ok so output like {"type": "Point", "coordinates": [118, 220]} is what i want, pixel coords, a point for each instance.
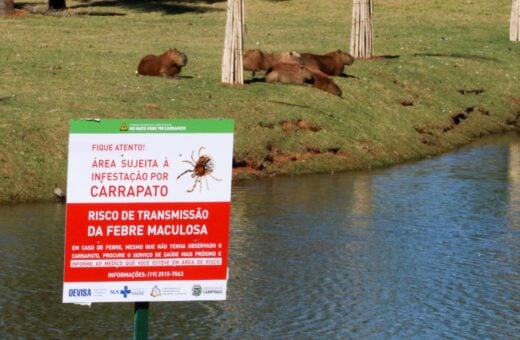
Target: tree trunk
{"type": "Point", "coordinates": [6, 7]}
{"type": "Point", "coordinates": [514, 27]}
{"type": "Point", "coordinates": [57, 5]}
{"type": "Point", "coordinates": [361, 33]}
{"type": "Point", "coordinates": [232, 69]}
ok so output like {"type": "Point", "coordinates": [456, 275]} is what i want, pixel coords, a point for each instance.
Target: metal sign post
{"type": "Point", "coordinates": [141, 310]}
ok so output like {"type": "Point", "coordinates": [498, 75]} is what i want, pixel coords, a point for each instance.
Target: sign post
{"type": "Point", "coordinates": [141, 320]}
{"type": "Point", "coordinates": [148, 208]}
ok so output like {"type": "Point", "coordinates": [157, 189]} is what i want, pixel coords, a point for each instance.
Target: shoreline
{"type": "Point", "coordinates": [447, 81]}
{"type": "Point", "coordinates": [247, 170]}
{"type": "Point", "coordinates": [249, 174]}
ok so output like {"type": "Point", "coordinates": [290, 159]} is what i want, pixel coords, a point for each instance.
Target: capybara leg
{"type": "Point", "coordinates": [172, 72]}
{"type": "Point", "coordinates": [272, 77]}
{"type": "Point", "coordinates": [164, 73]}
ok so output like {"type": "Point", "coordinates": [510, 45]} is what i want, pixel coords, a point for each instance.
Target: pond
{"type": "Point", "coordinates": [421, 250]}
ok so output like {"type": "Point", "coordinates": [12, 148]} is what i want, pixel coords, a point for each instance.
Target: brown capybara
{"type": "Point", "coordinates": [332, 63]}
{"type": "Point", "coordinates": [325, 83]}
{"type": "Point", "coordinates": [289, 74]}
{"type": "Point", "coordinates": [256, 60]}
{"type": "Point", "coordinates": [168, 64]}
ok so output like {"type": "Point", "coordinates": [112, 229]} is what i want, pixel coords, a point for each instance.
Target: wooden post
{"type": "Point", "coordinates": [514, 27]}
{"type": "Point", "coordinates": [232, 69]}
{"type": "Point", "coordinates": [361, 41]}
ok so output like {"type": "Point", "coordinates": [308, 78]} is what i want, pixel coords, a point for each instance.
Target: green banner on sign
{"type": "Point", "coordinates": [151, 126]}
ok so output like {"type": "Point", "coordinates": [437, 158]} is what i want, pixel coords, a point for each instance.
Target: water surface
{"type": "Point", "coordinates": [423, 250]}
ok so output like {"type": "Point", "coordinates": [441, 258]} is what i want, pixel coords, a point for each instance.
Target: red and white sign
{"type": "Point", "coordinates": [148, 210]}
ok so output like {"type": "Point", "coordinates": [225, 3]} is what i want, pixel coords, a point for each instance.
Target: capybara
{"type": "Point", "coordinates": [332, 63]}
{"type": "Point", "coordinates": [256, 60]}
{"type": "Point", "coordinates": [301, 75]}
{"type": "Point", "coordinates": [289, 74]}
{"type": "Point", "coordinates": [168, 64]}
{"type": "Point", "coordinates": [325, 83]}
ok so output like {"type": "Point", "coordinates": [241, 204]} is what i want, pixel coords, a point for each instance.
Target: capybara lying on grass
{"type": "Point", "coordinates": [301, 75]}
{"type": "Point", "coordinates": [332, 63]}
{"type": "Point", "coordinates": [289, 74]}
{"type": "Point", "coordinates": [256, 60]}
{"type": "Point", "coordinates": [168, 64]}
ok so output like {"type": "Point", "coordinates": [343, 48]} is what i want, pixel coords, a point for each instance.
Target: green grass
{"type": "Point", "coordinates": [82, 63]}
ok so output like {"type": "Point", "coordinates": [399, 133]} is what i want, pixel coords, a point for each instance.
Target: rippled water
{"type": "Point", "coordinates": [423, 250]}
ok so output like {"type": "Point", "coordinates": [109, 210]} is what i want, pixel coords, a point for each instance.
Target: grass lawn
{"type": "Point", "coordinates": [445, 74]}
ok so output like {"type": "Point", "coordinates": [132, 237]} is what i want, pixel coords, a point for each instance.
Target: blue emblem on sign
{"type": "Point", "coordinates": [125, 291]}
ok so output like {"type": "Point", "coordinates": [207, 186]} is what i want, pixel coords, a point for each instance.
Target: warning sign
{"type": "Point", "coordinates": [148, 209]}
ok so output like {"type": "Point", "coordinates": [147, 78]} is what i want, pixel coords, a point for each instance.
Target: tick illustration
{"type": "Point", "coordinates": [202, 168]}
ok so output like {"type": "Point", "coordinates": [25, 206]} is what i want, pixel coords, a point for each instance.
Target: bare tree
{"type": "Point", "coordinates": [232, 69]}
{"type": "Point", "coordinates": [362, 32]}
{"type": "Point", "coordinates": [57, 5]}
{"type": "Point", "coordinates": [6, 7]}
{"type": "Point", "coordinates": [514, 27]}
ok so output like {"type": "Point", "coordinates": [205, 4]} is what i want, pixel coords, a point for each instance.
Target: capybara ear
{"type": "Point", "coordinates": [339, 51]}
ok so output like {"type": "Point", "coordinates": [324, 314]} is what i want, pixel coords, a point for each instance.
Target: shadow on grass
{"type": "Point", "coordinates": [164, 6]}
{"type": "Point", "coordinates": [88, 7]}
{"type": "Point", "coordinates": [455, 55]}
{"type": "Point", "coordinates": [41, 8]}
{"type": "Point", "coordinates": [383, 57]}
{"type": "Point", "coordinates": [254, 80]}
{"type": "Point", "coordinates": [303, 107]}
{"type": "Point", "coordinates": [346, 75]}
{"type": "Point", "coordinates": [99, 14]}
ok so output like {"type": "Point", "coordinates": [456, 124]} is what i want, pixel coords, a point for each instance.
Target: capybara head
{"type": "Point", "coordinates": [346, 58]}
{"type": "Point", "coordinates": [253, 60]}
{"type": "Point", "coordinates": [323, 82]}
{"type": "Point", "coordinates": [179, 58]}
{"type": "Point", "coordinates": [333, 89]}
